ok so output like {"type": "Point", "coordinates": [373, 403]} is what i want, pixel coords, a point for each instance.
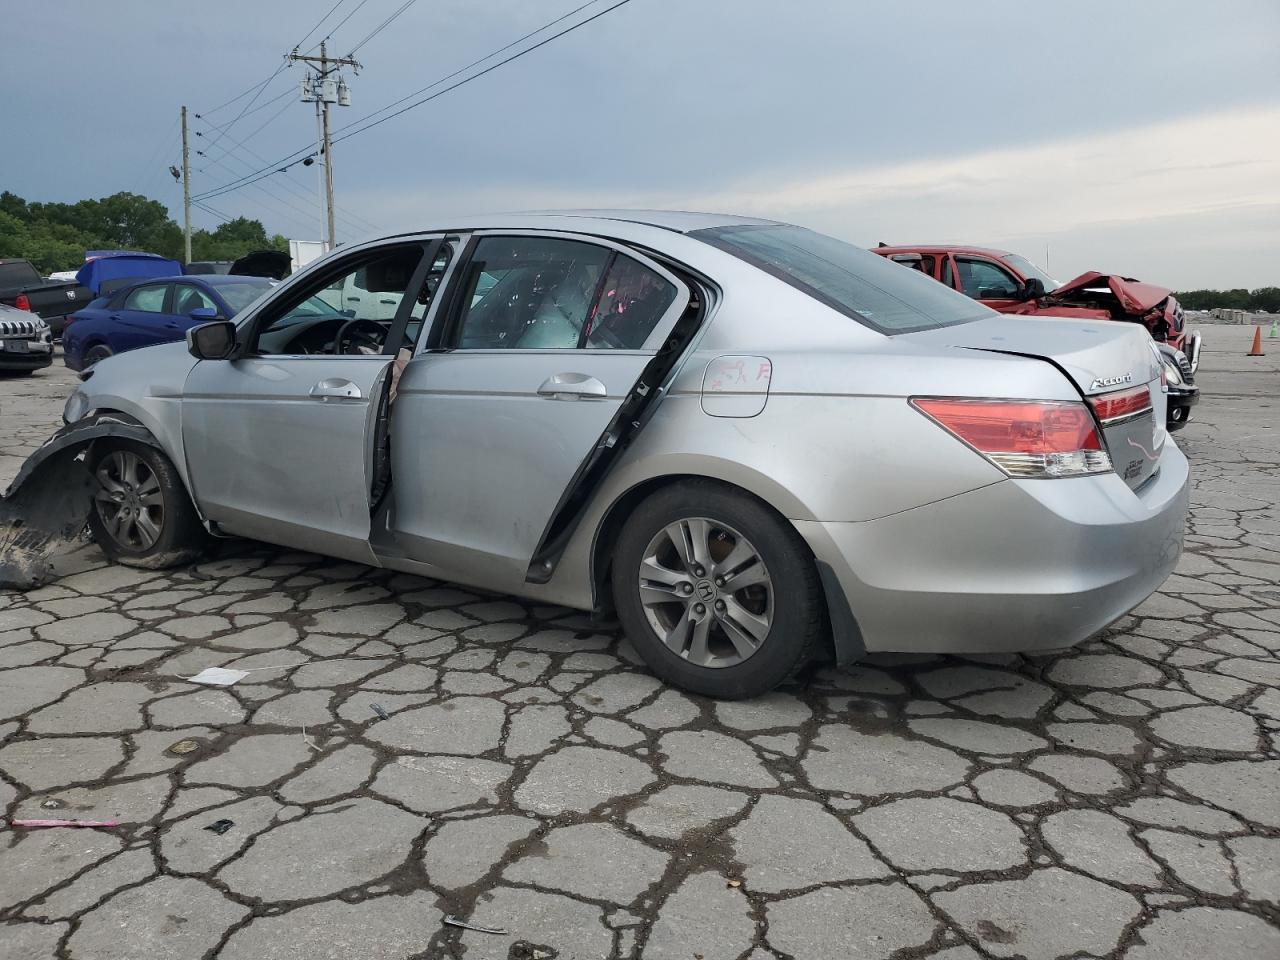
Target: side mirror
{"type": "Point", "coordinates": [1033, 289]}
{"type": "Point", "coordinates": [205, 313]}
{"type": "Point", "coordinates": [212, 341]}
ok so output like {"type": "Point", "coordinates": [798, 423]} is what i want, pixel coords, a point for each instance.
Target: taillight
{"type": "Point", "coordinates": [1122, 404]}
{"type": "Point", "coordinates": [1024, 438]}
{"type": "Point", "coordinates": [22, 302]}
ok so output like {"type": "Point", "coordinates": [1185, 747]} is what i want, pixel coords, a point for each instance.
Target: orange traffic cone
{"type": "Point", "coordinates": [1257, 344]}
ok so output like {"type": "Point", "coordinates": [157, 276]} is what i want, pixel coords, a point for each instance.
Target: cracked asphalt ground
{"type": "Point", "coordinates": [1117, 800]}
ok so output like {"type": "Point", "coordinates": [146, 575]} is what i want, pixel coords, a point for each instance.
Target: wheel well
{"type": "Point", "coordinates": [611, 527]}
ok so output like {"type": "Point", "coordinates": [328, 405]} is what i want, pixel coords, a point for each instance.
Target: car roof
{"type": "Point", "coordinates": [940, 248]}
{"type": "Point", "coordinates": [679, 221]}
{"type": "Point", "coordinates": [619, 223]}
{"type": "Point", "coordinates": [219, 279]}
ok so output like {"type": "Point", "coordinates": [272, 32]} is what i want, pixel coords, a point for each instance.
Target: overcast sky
{"type": "Point", "coordinates": [1140, 137]}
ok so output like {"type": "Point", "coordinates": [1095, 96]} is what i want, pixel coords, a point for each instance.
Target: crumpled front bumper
{"type": "Point", "coordinates": [46, 507]}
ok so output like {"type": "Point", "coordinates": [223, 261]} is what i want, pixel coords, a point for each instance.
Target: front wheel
{"type": "Point", "coordinates": [717, 592]}
{"type": "Point", "coordinates": [142, 516]}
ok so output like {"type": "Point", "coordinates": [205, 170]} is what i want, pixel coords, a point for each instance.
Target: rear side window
{"type": "Point", "coordinates": [146, 299]}
{"type": "Point", "coordinates": [871, 289]}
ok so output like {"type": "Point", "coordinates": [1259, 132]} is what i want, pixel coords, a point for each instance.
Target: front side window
{"type": "Point", "coordinates": [868, 288]}
{"type": "Point", "coordinates": [147, 299]}
{"type": "Point", "coordinates": [1029, 270]}
{"type": "Point", "coordinates": [984, 280]}
{"type": "Point", "coordinates": [539, 294]}
{"type": "Point", "coordinates": [334, 316]}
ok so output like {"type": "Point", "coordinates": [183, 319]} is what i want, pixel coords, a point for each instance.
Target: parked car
{"type": "Point", "coordinates": [203, 267]}
{"type": "Point", "coordinates": [108, 272]}
{"type": "Point", "coordinates": [156, 311]}
{"type": "Point", "coordinates": [757, 444]}
{"type": "Point", "coordinates": [22, 286]}
{"type": "Point", "coordinates": [1010, 283]}
{"type": "Point", "coordinates": [25, 341]}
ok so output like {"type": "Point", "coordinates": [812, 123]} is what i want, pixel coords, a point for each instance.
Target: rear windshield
{"type": "Point", "coordinates": [873, 290]}
{"type": "Point", "coordinates": [17, 274]}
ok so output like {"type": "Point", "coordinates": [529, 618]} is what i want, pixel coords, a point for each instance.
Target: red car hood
{"type": "Point", "coordinates": [1136, 297]}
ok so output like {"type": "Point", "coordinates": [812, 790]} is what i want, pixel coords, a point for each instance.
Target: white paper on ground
{"type": "Point", "coordinates": [218, 676]}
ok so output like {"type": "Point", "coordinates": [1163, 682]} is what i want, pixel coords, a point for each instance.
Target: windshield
{"type": "Point", "coordinates": [240, 295]}
{"type": "Point", "coordinates": [872, 290]}
{"type": "Point", "coordinates": [1029, 270]}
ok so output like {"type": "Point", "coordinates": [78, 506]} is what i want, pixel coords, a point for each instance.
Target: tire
{"type": "Point", "coordinates": [95, 353]}
{"type": "Point", "coordinates": [142, 515]}
{"type": "Point", "coordinates": [756, 636]}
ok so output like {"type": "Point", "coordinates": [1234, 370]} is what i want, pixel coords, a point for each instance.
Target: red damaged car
{"type": "Point", "coordinates": [1008, 283]}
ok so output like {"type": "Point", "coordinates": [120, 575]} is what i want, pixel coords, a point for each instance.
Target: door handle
{"type": "Point", "coordinates": [335, 388]}
{"type": "Point", "coordinates": [572, 386]}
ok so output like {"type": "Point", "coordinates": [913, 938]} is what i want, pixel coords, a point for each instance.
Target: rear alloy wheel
{"type": "Point", "coordinates": [141, 514]}
{"type": "Point", "coordinates": [717, 592]}
{"type": "Point", "coordinates": [96, 353]}
{"type": "Point", "coordinates": [706, 592]}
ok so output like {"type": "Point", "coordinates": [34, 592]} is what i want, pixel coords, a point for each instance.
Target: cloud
{"type": "Point", "coordinates": [1188, 202]}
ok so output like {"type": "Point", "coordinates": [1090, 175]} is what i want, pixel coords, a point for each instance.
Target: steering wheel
{"type": "Point", "coordinates": [362, 341]}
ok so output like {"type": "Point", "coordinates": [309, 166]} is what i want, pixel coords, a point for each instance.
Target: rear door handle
{"type": "Point", "coordinates": [335, 388]}
{"type": "Point", "coordinates": [572, 386]}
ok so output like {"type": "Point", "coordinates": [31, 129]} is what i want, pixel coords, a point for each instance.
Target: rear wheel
{"type": "Point", "coordinates": [142, 516]}
{"type": "Point", "coordinates": [95, 353]}
{"type": "Point", "coordinates": [717, 592]}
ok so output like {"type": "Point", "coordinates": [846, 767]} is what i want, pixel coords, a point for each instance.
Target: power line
{"type": "Point", "coordinates": [360, 223]}
{"type": "Point", "coordinates": [473, 63]}
{"type": "Point", "coordinates": [298, 155]}
{"type": "Point", "coordinates": [353, 12]}
{"type": "Point", "coordinates": [382, 26]}
{"type": "Point", "coordinates": [261, 87]}
{"type": "Point", "coordinates": [317, 26]}
{"type": "Point", "coordinates": [207, 209]}
{"type": "Point", "coordinates": [489, 69]}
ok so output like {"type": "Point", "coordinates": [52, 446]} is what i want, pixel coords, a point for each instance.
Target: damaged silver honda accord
{"type": "Point", "coordinates": [757, 444]}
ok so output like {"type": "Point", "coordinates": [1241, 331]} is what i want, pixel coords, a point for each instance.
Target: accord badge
{"type": "Point", "coordinates": [1101, 382]}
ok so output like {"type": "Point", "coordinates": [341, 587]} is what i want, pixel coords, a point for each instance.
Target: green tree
{"type": "Point", "coordinates": [55, 236]}
{"type": "Point", "coordinates": [233, 240]}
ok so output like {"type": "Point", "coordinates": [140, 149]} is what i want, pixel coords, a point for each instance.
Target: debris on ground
{"type": "Point", "coordinates": [52, 804]}
{"type": "Point", "coordinates": [382, 714]}
{"type": "Point", "coordinates": [452, 921]}
{"type": "Point", "coordinates": [64, 823]}
{"type": "Point", "coordinates": [183, 747]}
{"type": "Point", "coordinates": [524, 950]}
{"type": "Point", "coordinates": [217, 676]}
{"type": "Point", "coordinates": [220, 826]}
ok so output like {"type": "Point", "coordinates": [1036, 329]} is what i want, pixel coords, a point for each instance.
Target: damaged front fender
{"type": "Point", "coordinates": [46, 507]}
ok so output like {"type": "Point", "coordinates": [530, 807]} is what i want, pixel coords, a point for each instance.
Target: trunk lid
{"type": "Point", "coordinates": [1100, 358]}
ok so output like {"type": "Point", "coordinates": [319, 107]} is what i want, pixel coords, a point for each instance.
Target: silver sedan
{"type": "Point", "coordinates": [757, 444]}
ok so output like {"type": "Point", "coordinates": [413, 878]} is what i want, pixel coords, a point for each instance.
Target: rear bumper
{"type": "Point", "coordinates": [1018, 565]}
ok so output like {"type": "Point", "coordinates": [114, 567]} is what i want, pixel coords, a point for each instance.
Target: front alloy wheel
{"type": "Point", "coordinates": [142, 515]}
{"type": "Point", "coordinates": [128, 500]}
{"type": "Point", "coordinates": [706, 592]}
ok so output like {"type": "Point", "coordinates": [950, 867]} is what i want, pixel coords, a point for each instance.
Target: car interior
{"type": "Point", "coordinates": [320, 322]}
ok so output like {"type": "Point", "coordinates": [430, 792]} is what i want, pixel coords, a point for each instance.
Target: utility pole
{"type": "Point", "coordinates": [186, 192]}
{"type": "Point", "coordinates": [319, 88]}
